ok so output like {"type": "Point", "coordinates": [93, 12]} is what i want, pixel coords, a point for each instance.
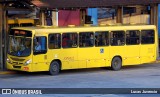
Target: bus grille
{"type": "Point", "coordinates": [17, 59]}
{"type": "Point", "coordinates": [16, 63]}
{"type": "Point", "coordinates": [17, 67]}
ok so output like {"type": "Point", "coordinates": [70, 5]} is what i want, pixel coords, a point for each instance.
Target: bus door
{"type": "Point", "coordinates": [40, 54]}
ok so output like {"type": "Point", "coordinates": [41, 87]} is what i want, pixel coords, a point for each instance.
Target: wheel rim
{"type": "Point", "coordinates": [54, 68]}
{"type": "Point", "coordinates": [116, 63]}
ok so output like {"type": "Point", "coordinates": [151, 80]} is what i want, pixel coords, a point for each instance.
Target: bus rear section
{"type": "Point", "coordinates": [134, 46]}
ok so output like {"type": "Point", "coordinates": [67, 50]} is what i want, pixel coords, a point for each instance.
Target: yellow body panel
{"type": "Point", "coordinates": [69, 58]}
{"type": "Point", "coordinates": [148, 53]}
{"type": "Point", "coordinates": [131, 55]}
{"type": "Point", "coordinates": [20, 21]}
{"type": "Point", "coordinates": [40, 63]}
{"type": "Point", "coordinates": [89, 57]}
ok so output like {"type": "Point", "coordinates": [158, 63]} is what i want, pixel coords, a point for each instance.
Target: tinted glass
{"type": "Point", "coordinates": [40, 45]}
{"type": "Point", "coordinates": [147, 36]}
{"type": "Point", "coordinates": [117, 38]}
{"type": "Point", "coordinates": [54, 41]}
{"type": "Point", "coordinates": [86, 39]}
{"type": "Point", "coordinates": [69, 40]}
{"type": "Point", "coordinates": [101, 38]}
{"type": "Point", "coordinates": [21, 33]}
{"type": "Point", "coordinates": [132, 37]}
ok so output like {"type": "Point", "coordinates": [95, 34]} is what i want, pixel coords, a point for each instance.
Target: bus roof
{"type": "Point", "coordinates": [50, 29]}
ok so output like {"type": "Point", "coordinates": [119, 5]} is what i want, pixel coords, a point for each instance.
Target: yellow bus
{"type": "Point", "coordinates": [52, 49]}
{"type": "Point", "coordinates": [20, 22]}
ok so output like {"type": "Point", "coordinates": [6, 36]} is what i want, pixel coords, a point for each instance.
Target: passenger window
{"type": "Point", "coordinates": [86, 39]}
{"type": "Point", "coordinates": [54, 41]}
{"type": "Point", "coordinates": [147, 36]}
{"type": "Point", "coordinates": [69, 40]}
{"type": "Point", "coordinates": [40, 45]}
{"type": "Point", "coordinates": [132, 37]}
{"type": "Point", "coordinates": [101, 38]}
{"type": "Point", "coordinates": [117, 38]}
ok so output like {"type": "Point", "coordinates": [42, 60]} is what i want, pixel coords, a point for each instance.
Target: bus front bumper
{"type": "Point", "coordinates": [18, 67]}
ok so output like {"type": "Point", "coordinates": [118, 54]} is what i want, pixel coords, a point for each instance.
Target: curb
{"type": "Point", "coordinates": [157, 61]}
{"type": "Point", "coordinates": [6, 72]}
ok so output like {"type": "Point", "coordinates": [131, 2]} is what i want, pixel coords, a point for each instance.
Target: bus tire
{"type": "Point", "coordinates": [54, 68]}
{"type": "Point", "coordinates": [116, 63]}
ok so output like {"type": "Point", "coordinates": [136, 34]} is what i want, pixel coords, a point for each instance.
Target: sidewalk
{"type": "Point", "coordinates": [7, 72]}
{"type": "Point", "coordinates": [158, 60]}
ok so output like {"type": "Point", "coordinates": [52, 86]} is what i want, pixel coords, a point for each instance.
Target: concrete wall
{"type": "Point", "coordinates": [144, 19]}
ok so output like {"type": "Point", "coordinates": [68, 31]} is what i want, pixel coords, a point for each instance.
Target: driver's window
{"type": "Point", "coordinates": [40, 45]}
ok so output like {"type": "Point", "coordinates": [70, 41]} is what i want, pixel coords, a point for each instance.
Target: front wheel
{"type": "Point", "coordinates": [116, 63]}
{"type": "Point", "coordinates": [54, 68]}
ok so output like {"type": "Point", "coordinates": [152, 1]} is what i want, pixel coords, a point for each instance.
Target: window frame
{"type": "Point", "coordinates": [37, 53]}
{"type": "Point", "coordinates": [87, 40]}
{"type": "Point", "coordinates": [110, 39]}
{"type": "Point", "coordinates": [152, 36]}
{"type": "Point", "coordinates": [139, 37]}
{"type": "Point", "coordinates": [60, 40]}
{"type": "Point", "coordinates": [76, 46]}
{"type": "Point", "coordinates": [108, 33]}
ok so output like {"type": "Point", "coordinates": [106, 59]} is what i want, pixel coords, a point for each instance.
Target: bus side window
{"type": "Point", "coordinates": [132, 37]}
{"type": "Point", "coordinates": [86, 39]}
{"type": "Point", "coordinates": [117, 38]}
{"type": "Point", "coordinates": [101, 38]}
{"type": "Point", "coordinates": [54, 41]}
{"type": "Point", "coordinates": [147, 36]}
{"type": "Point", "coordinates": [69, 40]}
{"type": "Point", "coordinates": [40, 45]}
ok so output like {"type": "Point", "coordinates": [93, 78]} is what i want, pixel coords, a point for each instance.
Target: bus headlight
{"type": "Point", "coordinates": [27, 62]}
{"type": "Point", "coordinates": [8, 60]}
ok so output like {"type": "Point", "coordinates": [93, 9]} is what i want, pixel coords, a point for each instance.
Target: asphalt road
{"type": "Point", "coordinates": [142, 76]}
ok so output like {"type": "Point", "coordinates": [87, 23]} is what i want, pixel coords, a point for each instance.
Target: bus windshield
{"type": "Point", "coordinates": [19, 44]}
